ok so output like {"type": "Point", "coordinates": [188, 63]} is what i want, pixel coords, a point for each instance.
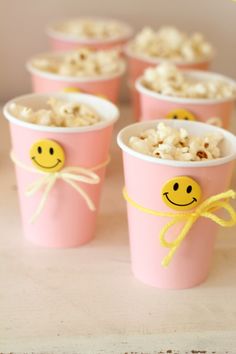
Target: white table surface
{"type": "Point", "coordinates": [86, 300]}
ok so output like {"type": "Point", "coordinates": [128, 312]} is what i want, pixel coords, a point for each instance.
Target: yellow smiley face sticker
{"type": "Point", "coordinates": [47, 155]}
{"type": "Point", "coordinates": [181, 113]}
{"type": "Point", "coordinates": [72, 90]}
{"type": "Point", "coordinates": [181, 193]}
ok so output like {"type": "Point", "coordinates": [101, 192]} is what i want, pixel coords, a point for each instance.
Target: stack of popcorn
{"type": "Point", "coordinates": [167, 79]}
{"type": "Point", "coordinates": [91, 28]}
{"type": "Point", "coordinates": [91, 32]}
{"type": "Point", "coordinates": [166, 142]}
{"type": "Point", "coordinates": [59, 114]}
{"type": "Point", "coordinates": [172, 44]}
{"type": "Point", "coordinates": [82, 63]}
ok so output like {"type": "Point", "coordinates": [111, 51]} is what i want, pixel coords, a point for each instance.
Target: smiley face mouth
{"type": "Point", "coordinates": [181, 205]}
{"type": "Point", "coordinates": [47, 167]}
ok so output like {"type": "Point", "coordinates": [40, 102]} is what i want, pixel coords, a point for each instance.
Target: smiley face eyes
{"type": "Point", "coordinates": [181, 193]}
{"type": "Point", "coordinates": [40, 150]}
{"type": "Point", "coordinates": [180, 113]}
{"type": "Point", "coordinates": [176, 186]}
{"type": "Point", "coordinates": [47, 155]}
{"type": "Point", "coordinates": [176, 117]}
{"type": "Point", "coordinates": [188, 189]}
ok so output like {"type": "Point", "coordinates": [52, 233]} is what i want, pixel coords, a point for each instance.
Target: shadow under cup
{"type": "Point", "coordinates": [144, 178]}
{"type": "Point", "coordinates": [65, 220]}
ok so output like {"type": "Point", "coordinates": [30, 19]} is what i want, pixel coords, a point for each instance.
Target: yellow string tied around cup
{"type": "Point", "coordinates": [70, 175]}
{"type": "Point", "coordinates": [205, 209]}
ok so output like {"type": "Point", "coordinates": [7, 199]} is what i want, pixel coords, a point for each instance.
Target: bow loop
{"type": "Point", "coordinates": [80, 174]}
{"type": "Point", "coordinates": [220, 221]}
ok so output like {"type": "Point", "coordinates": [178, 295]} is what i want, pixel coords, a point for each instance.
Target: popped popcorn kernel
{"type": "Point", "coordinates": [176, 144]}
{"type": "Point", "coordinates": [202, 154]}
{"type": "Point", "coordinates": [171, 44]}
{"type": "Point", "coordinates": [80, 63]}
{"type": "Point", "coordinates": [59, 114]}
{"type": "Point", "coordinates": [168, 80]}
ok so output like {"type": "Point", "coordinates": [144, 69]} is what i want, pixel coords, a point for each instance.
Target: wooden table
{"type": "Point", "coordinates": [86, 300]}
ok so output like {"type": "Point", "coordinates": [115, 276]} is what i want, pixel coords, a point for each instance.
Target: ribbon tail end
{"type": "Point", "coordinates": [165, 262]}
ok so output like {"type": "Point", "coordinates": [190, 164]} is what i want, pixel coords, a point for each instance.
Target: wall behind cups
{"type": "Point", "coordinates": [22, 29]}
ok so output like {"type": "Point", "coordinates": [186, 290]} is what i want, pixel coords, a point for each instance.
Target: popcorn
{"type": "Point", "coordinates": [59, 114]}
{"type": "Point", "coordinates": [87, 28]}
{"type": "Point", "coordinates": [169, 143]}
{"type": "Point", "coordinates": [168, 80]}
{"type": "Point", "coordinates": [83, 62]}
{"type": "Point", "coordinates": [172, 44]}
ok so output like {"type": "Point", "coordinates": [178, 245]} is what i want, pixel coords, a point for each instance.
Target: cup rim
{"type": "Point", "coordinates": [158, 60]}
{"type": "Point", "coordinates": [191, 73]}
{"type": "Point", "coordinates": [78, 79]}
{"type": "Point", "coordinates": [176, 163]}
{"type": "Point", "coordinates": [72, 97]}
{"type": "Point", "coordinates": [55, 34]}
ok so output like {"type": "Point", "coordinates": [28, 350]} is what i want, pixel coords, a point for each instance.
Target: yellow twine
{"type": "Point", "coordinates": [205, 209]}
{"type": "Point", "coordinates": [70, 175]}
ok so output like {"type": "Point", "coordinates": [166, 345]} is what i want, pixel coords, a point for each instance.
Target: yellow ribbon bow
{"type": "Point", "coordinates": [70, 175]}
{"type": "Point", "coordinates": [205, 209]}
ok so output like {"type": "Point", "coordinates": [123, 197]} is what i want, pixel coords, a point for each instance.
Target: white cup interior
{"type": "Point", "coordinates": [228, 145]}
{"type": "Point", "coordinates": [108, 112]}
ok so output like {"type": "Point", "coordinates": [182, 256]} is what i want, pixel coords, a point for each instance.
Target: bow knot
{"type": "Point", "coordinates": [71, 175]}
{"type": "Point", "coordinates": [206, 209]}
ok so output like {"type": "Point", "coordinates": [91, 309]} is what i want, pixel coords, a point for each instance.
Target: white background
{"type": "Point", "coordinates": [22, 28]}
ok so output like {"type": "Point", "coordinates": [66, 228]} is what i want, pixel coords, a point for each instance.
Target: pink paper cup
{"type": "Point", "coordinates": [154, 105]}
{"type": "Point", "coordinates": [106, 86]}
{"type": "Point", "coordinates": [65, 220]}
{"type": "Point", "coordinates": [136, 65]}
{"type": "Point", "coordinates": [60, 41]}
{"type": "Point", "coordinates": [144, 178]}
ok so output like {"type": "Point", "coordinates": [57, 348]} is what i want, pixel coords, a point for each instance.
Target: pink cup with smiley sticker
{"type": "Point", "coordinates": [146, 185]}
{"type": "Point", "coordinates": [137, 64]}
{"type": "Point", "coordinates": [67, 218]}
{"type": "Point", "coordinates": [105, 86]}
{"type": "Point", "coordinates": [65, 41]}
{"type": "Point", "coordinates": [218, 111]}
